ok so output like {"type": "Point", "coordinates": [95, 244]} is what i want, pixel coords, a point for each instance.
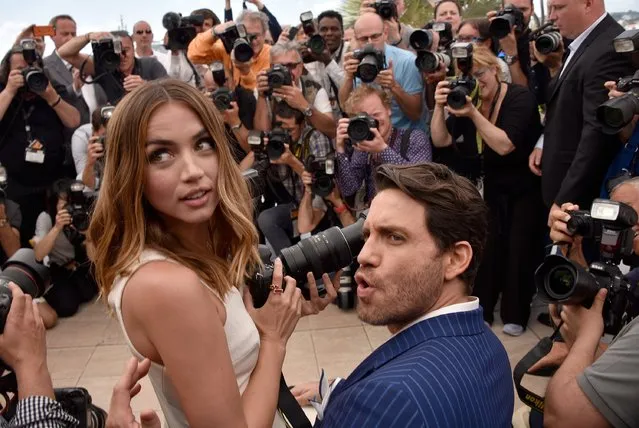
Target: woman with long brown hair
{"type": "Point", "coordinates": [172, 239]}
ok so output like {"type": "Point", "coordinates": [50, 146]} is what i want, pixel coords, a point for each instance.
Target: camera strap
{"type": "Point", "coordinates": [26, 114]}
{"type": "Point", "coordinates": [543, 348]}
{"type": "Point", "coordinates": [493, 106]}
{"type": "Point", "coordinates": [289, 408]}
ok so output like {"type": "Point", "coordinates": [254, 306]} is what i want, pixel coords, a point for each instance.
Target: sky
{"type": "Point", "coordinates": [105, 15]}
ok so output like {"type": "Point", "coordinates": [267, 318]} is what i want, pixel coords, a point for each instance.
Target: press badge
{"type": "Point", "coordinates": [35, 152]}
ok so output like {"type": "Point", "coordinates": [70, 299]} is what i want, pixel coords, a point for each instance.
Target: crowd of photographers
{"type": "Point", "coordinates": [541, 120]}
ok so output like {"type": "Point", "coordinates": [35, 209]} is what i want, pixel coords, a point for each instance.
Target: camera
{"type": "Point", "coordinates": [445, 31]}
{"type": "Point", "coordinates": [34, 77]}
{"type": "Point", "coordinates": [277, 137]}
{"type": "Point", "coordinates": [323, 170]}
{"type": "Point", "coordinates": [78, 403]}
{"type": "Point", "coordinates": [31, 276]}
{"type": "Point", "coordinates": [235, 39]}
{"type": "Point", "coordinates": [616, 113]}
{"type": "Point", "coordinates": [422, 42]}
{"type": "Point", "coordinates": [466, 85]}
{"type": "Point", "coordinates": [429, 62]}
{"type": "Point", "coordinates": [181, 29]}
{"type": "Point", "coordinates": [222, 98]}
{"type": "Point", "coordinates": [359, 128]}
{"type": "Point", "coordinates": [507, 18]}
{"type": "Point", "coordinates": [106, 54]}
{"type": "Point", "coordinates": [315, 43]}
{"type": "Point", "coordinates": [560, 280]}
{"type": "Point", "coordinates": [371, 62]}
{"type": "Point", "coordinates": [627, 42]}
{"type": "Point", "coordinates": [547, 38]}
{"type": "Point", "coordinates": [78, 206]}
{"type": "Point", "coordinates": [387, 9]}
{"type": "Point", "coordinates": [278, 76]}
{"type": "Point", "coordinates": [328, 251]}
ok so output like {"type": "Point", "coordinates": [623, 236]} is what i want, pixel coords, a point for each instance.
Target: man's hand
{"type": "Point", "coordinates": [386, 78]}
{"type": "Point", "coordinates": [393, 29]}
{"type": "Point", "coordinates": [534, 161]}
{"type": "Point", "coordinates": [307, 179]}
{"type": "Point", "coordinates": [375, 145]}
{"type": "Point", "coordinates": [120, 411]}
{"type": "Point", "coordinates": [95, 150]}
{"type": "Point", "coordinates": [15, 81]}
{"type": "Point", "coordinates": [612, 89]}
{"type": "Point", "coordinates": [437, 76]}
{"type": "Point", "coordinates": [50, 95]}
{"type": "Point", "coordinates": [257, 3]}
{"type": "Point", "coordinates": [244, 67]}
{"type": "Point", "coordinates": [293, 97]}
{"type": "Point", "coordinates": [350, 65]}
{"type": "Point", "coordinates": [77, 80]}
{"type": "Point", "coordinates": [558, 222]}
{"type": "Point", "coordinates": [509, 43]}
{"type": "Point", "coordinates": [23, 344]}
{"type": "Point", "coordinates": [286, 158]}
{"type": "Point", "coordinates": [317, 303]}
{"type": "Point", "coordinates": [305, 392]}
{"type": "Point", "coordinates": [366, 7]}
{"type": "Point", "coordinates": [262, 83]}
{"type": "Point", "coordinates": [553, 60]}
{"type": "Point", "coordinates": [132, 81]}
{"type": "Point", "coordinates": [342, 134]}
{"type": "Point", "coordinates": [554, 358]}
{"type": "Point", "coordinates": [232, 115]}
{"type": "Point", "coordinates": [99, 36]}
{"type": "Point", "coordinates": [584, 324]}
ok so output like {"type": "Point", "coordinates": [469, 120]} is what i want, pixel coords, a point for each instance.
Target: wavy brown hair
{"type": "Point", "coordinates": [124, 223]}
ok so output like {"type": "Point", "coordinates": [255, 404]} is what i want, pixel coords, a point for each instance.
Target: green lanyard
{"type": "Point", "coordinates": [493, 105]}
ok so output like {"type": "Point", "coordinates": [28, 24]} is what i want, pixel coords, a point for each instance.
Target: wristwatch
{"type": "Point", "coordinates": [309, 111]}
{"type": "Point", "coordinates": [236, 127]}
{"type": "Point", "coordinates": [510, 60]}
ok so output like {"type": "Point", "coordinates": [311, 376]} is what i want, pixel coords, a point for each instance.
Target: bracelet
{"type": "Point", "coordinates": [236, 127]}
{"type": "Point", "coordinates": [341, 209]}
{"type": "Point", "coordinates": [57, 102]}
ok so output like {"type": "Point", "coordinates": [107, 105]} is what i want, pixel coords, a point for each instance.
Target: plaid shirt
{"type": "Point", "coordinates": [319, 145]}
{"type": "Point", "coordinates": [40, 412]}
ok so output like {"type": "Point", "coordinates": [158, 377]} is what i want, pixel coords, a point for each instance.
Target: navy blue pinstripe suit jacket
{"type": "Point", "coordinates": [448, 371]}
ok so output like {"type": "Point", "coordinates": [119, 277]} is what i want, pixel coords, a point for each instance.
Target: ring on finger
{"type": "Point", "coordinates": [276, 289]}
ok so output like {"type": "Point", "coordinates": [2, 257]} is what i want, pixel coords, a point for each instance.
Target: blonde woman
{"type": "Point", "coordinates": [492, 138]}
{"type": "Point", "coordinates": [172, 238]}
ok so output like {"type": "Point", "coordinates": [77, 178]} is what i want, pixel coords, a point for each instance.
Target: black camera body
{"type": "Point", "coordinates": [445, 31]}
{"type": "Point", "coordinates": [78, 207]}
{"type": "Point", "coordinates": [277, 138]}
{"type": "Point", "coordinates": [422, 42]}
{"type": "Point", "coordinates": [78, 403]}
{"type": "Point", "coordinates": [222, 98]}
{"type": "Point", "coordinates": [278, 76]}
{"type": "Point", "coordinates": [547, 39]}
{"type": "Point", "coordinates": [315, 43]}
{"type": "Point", "coordinates": [616, 113]}
{"type": "Point", "coordinates": [387, 9]}
{"type": "Point", "coordinates": [560, 280]}
{"type": "Point", "coordinates": [507, 18]}
{"type": "Point", "coordinates": [359, 128]}
{"type": "Point", "coordinates": [323, 171]}
{"type": "Point", "coordinates": [371, 62]}
{"type": "Point", "coordinates": [328, 251]}
{"type": "Point", "coordinates": [464, 85]}
{"type": "Point", "coordinates": [180, 29]}
{"type": "Point", "coordinates": [34, 77]}
{"type": "Point", "coordinates": [106, 54]}
{"type": "Point", "coordinates": [236, 40]}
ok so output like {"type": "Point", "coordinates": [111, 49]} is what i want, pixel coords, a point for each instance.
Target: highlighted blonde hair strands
{"type": "Point", "coordinates": [124, 223]}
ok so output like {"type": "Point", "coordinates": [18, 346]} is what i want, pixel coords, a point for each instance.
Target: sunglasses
{"type": "Point", "coordinates": [140, 32]}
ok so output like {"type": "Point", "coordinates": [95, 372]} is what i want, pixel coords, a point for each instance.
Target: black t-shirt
{"type": "Point", "coordinates": [246, 104]}
{"type": "Point", "coordinates": [14, 217]}
{"type": "Point", "coordinates": [27, 177]}
{"type": "Point", "coordinates": [519, 118]}
{"type": "Point", "coordinates": [147, 68]}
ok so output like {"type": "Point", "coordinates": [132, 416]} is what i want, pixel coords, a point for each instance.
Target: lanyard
{"type": "Point", "coordinates": [493, 105]}
{"type": "Point", "coordinates": [27, 128]}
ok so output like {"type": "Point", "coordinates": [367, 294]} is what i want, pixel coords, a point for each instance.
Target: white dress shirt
{"type": "Point", "coordinates": [574, 46]}
{"type": "Point", "coordinates": [470, 305]}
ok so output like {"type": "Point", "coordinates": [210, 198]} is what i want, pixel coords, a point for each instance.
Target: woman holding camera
{"type": "Point", "coordinates": [491, 140]}
{"type": "Point", "coordinates": [173, 242]}
{"type": "Point", "coordinates": [58, 243]}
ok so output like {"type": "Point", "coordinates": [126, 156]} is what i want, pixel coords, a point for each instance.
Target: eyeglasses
{"type": "Point", "coordinates": [469, 39]}
{"type": "Point", "coordinates": [480, 73]}
{"type": "Point", "coordinates": [140, 32]}
{"type": "Point", "coordinates": [291, 65]}
{"type": "Point", "coordinates": [373, 38]}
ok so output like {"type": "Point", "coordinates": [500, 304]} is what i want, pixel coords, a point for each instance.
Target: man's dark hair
{"type": "Point", "coordinates": [455, 2]}
{"type": "Point", "coordinates": [5, 64]}
{"type": "Point", "coordinates": [282, 109]}
{"type": "Point", "coordinates": [482, 25]}
{"type": "Point", "coordinates": [455, 211]}
{"type": "Point", "coordinates": [207, 14]}
{"type": "Point", "coordinates": [96, 117]}
{"type": "Point", "coordinates": [55, 19]}
{"type": "Point", "coordinates": [121, 34]}
{"type": "Point", "coordinates": [331, 14]}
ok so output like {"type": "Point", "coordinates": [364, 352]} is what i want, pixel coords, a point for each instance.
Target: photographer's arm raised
{"type": "Point", "coordinates": [70, 52]}
{"type": "Point", "coordinates": [69, 115]}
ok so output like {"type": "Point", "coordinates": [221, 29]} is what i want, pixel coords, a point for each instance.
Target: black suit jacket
{"type": "Point", "coordinates": [576, 153]}
{"type": "Point", "coordinates": [60, 75]}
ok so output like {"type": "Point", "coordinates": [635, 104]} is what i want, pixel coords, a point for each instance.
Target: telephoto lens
{"type": "Point", "coordinates": [618, 112]}
{"type": "Point", "coordinates": [548, 43]}
{"type": "Point", "coordinates": [359, 127]}
{"type": "Point", "coordinates": [26, 272]}
{"type": "Point", "coordinates": [328, 251]}
{"type": "Point", "coordinates": [429, 62]}
{"type": "Point", "coordinates": [35, 79]}
{"type": "Point", "coordinates": [506, 19]}
{"type": "Point", "coordinates": [421, 40]}
{"type": "Point", "coordinates": [242, 50]}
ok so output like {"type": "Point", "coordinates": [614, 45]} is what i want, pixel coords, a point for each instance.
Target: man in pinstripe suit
{"type": "Point", "coordinates": [442, 367]}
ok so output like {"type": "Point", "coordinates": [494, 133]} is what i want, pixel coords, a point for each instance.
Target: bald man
{"type": "Point", "coordinates": [143, 38]}
{"type": "Point", "coordinates": [401, 77]}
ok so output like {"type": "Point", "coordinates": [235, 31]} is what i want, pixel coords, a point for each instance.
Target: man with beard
{"type": "Point", "coordinates": [443, 367]}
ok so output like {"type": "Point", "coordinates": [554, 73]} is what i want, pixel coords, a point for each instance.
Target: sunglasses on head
{"type": "Point", "coordinates": [144, 31]}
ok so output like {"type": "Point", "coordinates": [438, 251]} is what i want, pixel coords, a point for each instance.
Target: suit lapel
{"type": "Point", "coordinates": [596, 32]}
{"type": "Point", "coordinates": [64, 76]}
{"type": "Point", "coordinates": [455, 324]}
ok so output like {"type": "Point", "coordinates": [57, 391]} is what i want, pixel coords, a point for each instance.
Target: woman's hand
{"type": "Point", "coordinates": [441, 93]}
{"type": "Point", "coordinates": [317, 303]}
{"type": "Point", "coordinates": [276, 320]}
{"type": "Point", "coordinates": [342, 134]}
{"type": "Point", "coordinates": [62, 219]}
{"type": "Point", "coordinates": [468, 110]}
{"type": "Point", "coordinates": [305, 392]}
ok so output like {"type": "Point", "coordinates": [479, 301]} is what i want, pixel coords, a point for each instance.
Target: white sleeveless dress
{"type": "Point", "coordinates": [241, 335]}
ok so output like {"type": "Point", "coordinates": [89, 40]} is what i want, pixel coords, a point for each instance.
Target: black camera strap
{"type": "Point", "coordinates": [26, 114]}
{"type": "Point", "coordinates": [289, 407]}
{"type": "Point", "coordinates": [543, 348]}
